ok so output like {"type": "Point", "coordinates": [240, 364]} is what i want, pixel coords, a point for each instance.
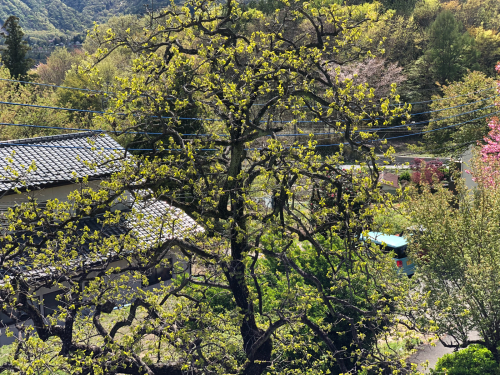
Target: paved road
{"type": "Point", "coordinates": [433, 353]}
{"type": "Point", "coordinates": [355, 166]}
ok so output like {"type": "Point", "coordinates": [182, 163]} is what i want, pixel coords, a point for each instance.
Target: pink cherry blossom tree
{"type": "Point", "coordinates": [486, 167]}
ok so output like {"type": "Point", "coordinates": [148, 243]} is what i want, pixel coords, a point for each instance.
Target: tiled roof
{"type": "Point", "coordinates": [159, 222]}
{"type": "Point", "coordinates": [389, 179]}
{"type": "Point", "coordinates": [171, 223]}
{"type": "Point", "coordinates": [56, 158]}
{"type": "Point", "coordinates": [162, 221]}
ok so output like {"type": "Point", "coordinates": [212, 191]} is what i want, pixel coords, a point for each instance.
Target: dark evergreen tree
{"type": "Point", "coordinates": [451, 51]}
{"type": "Point", "coordinates": [14, 56]}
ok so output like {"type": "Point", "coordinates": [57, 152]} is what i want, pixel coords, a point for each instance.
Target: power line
{"type": "Point", "coordinates": [439, 119]}
{"type": "Point", "coordinates": [50, 107]}
{"type": "Point", "coordinates": [453, 97]}
{"type": "Point", "coordinates": [457, 106]}
{"type": "Point", "coordinates": [205, 119]}
{"type": "Point", "coordinates": [446, 148]}
{"type": "Point", "coordinates": [447, 127]}
{"type": "Point", "coordinates": [404, 125]}
{"type": "Point", "coordinates": [56, 86]}
{"type": "Point", "coordinates": [149, 149]}
{"type": "Point", "coordinates": [225, 135]}
{"type": "Point", "coordinates": [79, 129]}
{"type": "Point", "coordinates": [107, 92]}
{"type": "Point", "coordinates": [437, 110]}
{"type": "Point", "coordinates": [74, 147]}
{"type": "Point", "coordinates": [424, 132]}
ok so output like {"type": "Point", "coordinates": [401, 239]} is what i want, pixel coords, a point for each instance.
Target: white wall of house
{"type": "Point", "coordinates": [42, 195]}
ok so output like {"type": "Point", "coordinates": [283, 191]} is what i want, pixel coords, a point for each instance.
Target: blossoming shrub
{"type": "Point", "coordinates": [489, 166]}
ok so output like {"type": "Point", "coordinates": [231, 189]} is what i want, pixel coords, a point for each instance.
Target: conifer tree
{"type": "Point", "coordinates": [14, 56]}
{"type": "Point", "coordinates": [451, 52]}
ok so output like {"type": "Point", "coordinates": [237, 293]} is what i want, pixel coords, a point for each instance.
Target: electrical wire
{"type": "Point", "coordinates": [95, 148]}
{"type": "Point", "coordinates": [50, 107]}
{"type": "Point", "coordinates": [225, 135]}
{"type": "Point", "coordinates": [445, 148]}
{"type": "Point", "coordinates": [57, 86]}
{"type": "Point", "coordinates": [149, 149]}
{"type": "Point", "coordinates": [457, 106]}
{"type": "Point", "coordinates": [259, 104]}
{"type": "Point", "coordinates": [78, 129]}
{"type": "Point", "coordinates": [424, 132]}
{"type": "Point", "coordinates": [204, 119]}
{"type": "Point", "coordinates": [453, 97]}
{"type": "Point", "coordinates": [403, 125]}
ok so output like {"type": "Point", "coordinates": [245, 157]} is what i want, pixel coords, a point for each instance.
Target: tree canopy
{"type": "Point", "coordinates": [450, 50]}
{"type": "Point", "coordinates": [272, 288]}
{"type": "Point", "coordinates": [458, 255]}
{"type": "Point", "coordinates": [462, 114]}
{"type": "Point", "coordinates": [456, 248]}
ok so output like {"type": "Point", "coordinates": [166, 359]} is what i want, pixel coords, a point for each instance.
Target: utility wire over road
{"type": "Point", "coordinates": [335, 144]}
{"type": "Point", "coordinates": [408, 126]}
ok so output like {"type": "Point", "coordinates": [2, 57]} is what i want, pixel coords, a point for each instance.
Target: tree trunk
{"type": "Point", "coordinates": [235, 275]}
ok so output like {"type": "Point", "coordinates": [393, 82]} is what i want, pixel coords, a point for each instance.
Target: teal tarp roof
{"type": "Point", "coordinates": [390, 240]}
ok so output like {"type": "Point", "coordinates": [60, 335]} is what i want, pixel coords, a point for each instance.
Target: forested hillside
{"type": "Point", "coordinates": [44, 19]}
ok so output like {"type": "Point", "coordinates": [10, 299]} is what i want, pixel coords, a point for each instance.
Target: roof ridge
{"type": "Point", "coordinates": [48, 138]}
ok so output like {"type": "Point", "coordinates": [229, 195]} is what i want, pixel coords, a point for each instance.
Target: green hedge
{"type": "Point", "coordinates": [474, 360]}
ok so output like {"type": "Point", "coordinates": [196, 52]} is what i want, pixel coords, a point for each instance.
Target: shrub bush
{"type": "Point", "coordinates": [405, 176]}
{"type": "Point", "coordinates": [426, 172]}
{"type": "Point", "coordinates": [474, 360]}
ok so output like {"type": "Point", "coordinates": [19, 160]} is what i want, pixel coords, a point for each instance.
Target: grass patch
{"type": "Point", "coordinates": [5, 352]}
{"type": "Point", "coordinates": [403, 347]}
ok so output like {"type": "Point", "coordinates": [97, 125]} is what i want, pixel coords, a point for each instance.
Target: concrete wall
{"type": "Point", "coordinates": [466, 160]}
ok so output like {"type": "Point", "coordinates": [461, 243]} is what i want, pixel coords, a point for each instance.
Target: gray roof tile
{"type": "Point", "coordinates": [56, 157]}
{"type": "Point", "coordinates": [171, 223]}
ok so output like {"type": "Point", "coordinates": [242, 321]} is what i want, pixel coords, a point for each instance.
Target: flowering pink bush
{"type": "Point", "coordinates": [427, 173]}
{"type": "Point", "coordinates": [487, 171]}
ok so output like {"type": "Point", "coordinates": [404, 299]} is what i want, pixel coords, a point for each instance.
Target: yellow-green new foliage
{"type": "Point", "coordinates": [457, 249]}
{"type": "Point", "coordinates": [467, 105]}
{"type": "Point", "coordinates": [17, 93]}
{"type": "Point", "coordinates": [251, 77]}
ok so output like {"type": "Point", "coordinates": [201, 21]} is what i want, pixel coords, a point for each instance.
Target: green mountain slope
{"type": "Point", "coordinates": [48, 18]}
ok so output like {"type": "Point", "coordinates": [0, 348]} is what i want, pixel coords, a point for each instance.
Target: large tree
{"type": "Point", "coordinates": [58, 64]}
{"type": "Point", "coordinates": [451, 51]}
{"type": "Point", "coordinates": [458, 256]}
{"type": "Point", "coordinates": [14, 56]}
{"type": "Point", "coordinates": [257, 300]}
{"type": "Point", "coordinates": [457, 252]}
{"type": "Point", "coordinates": [462, 114]}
